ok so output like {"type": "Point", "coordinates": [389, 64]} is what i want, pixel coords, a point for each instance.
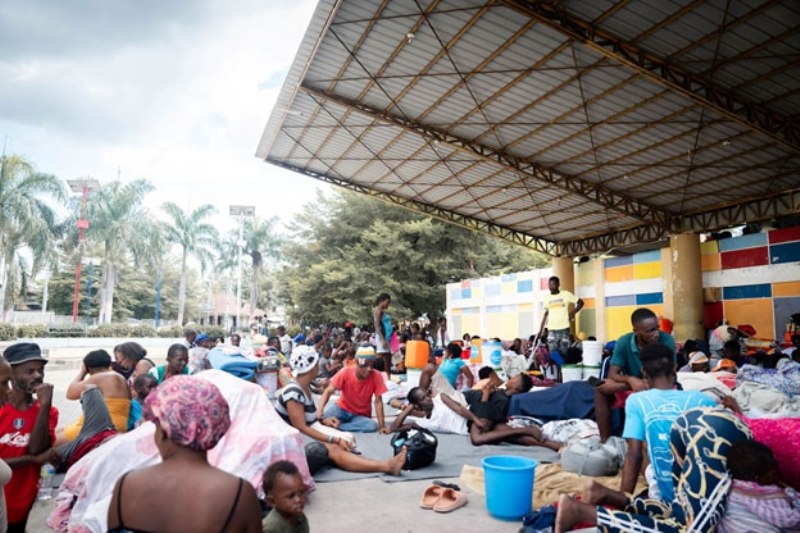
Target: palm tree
{"type": "Point", "coordinates": [261, 242]}
{"type": "Point", "coordinates": [118, 222]}
{"type": "Point", "coordinates": [194, 236]}
{"type": "Point", "coordinates": [26, 219]}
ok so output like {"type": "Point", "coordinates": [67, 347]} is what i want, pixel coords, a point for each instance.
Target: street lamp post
{"type": "Point", "coordinates": [83, 186]}
{"type": "Point", "coordinates": [241, 211]}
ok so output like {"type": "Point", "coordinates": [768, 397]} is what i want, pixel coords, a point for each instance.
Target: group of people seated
{"type": "Point", "coordinates": [695, 441]}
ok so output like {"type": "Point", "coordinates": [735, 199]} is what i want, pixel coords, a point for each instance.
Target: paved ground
{"type": "Point", "coordinates": [348, 506]}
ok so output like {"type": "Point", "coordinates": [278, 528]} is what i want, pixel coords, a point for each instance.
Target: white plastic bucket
{"type": "Point", "coordinates": [571, 373]}
{"type": "Point", "coordinates": [592, 352]}
{"type": "Point", "coordinates": [412, 377]}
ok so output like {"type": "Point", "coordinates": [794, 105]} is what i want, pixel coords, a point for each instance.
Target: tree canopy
{"type": "Point", "coordinates": [348, 248]}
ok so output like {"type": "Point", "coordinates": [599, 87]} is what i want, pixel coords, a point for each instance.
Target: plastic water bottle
{"type": "Point", "coordinates": [47, 474]}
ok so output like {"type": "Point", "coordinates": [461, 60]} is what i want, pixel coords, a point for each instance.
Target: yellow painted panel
{"type": "Point", "coordinates": [470, 324]}
{"type": "Point", "coordinates": [756, 312]}
{"type": "Point", "coordinates": [456, 311]}
{"type": "Point", "coordinates": [786, 288]}
{"type": "Point", "coordinates": [709, 262]}
{"type": "Point", "coordinates": [525, 308]}
{"type": "Point", "coordinates": [647, 270]}
{"type": "Point", "coordinates": [585, 273]}
{"type": "Point", "coordinates": [709, 247]}
{"type": "Point", "coordinates": [477, 292]}
{"type": "Point", "coordinates": [508, 288]}
{"type": "Point", "coordinates": [618, 321]}
{"type": "Point", "coordinates": [588, 303]}
{"type": "Point", "coordinates": [502, 325]}
{"type": "Point", "coordinates": [622, 273]}
{"type": "Point", "coordinates": [658, 309]}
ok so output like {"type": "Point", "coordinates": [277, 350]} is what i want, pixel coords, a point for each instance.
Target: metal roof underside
{"type": "Point", "coordinates": [571, 127]}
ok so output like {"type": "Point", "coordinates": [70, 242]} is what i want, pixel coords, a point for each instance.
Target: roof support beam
{"type": "Point", "coordinates": [595, 192]}
{"type": "Point", "coordinates": [488, 228]}
{"type": "Point", "coordinates": [757, 210]}
{"type": "Point", "coordinates": [785, 131]}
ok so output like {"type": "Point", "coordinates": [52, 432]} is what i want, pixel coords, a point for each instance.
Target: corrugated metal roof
{"type": "Point", "coordinates": [572, 124]}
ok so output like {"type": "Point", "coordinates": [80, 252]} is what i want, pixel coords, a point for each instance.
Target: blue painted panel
{"type": "Point", "coordinates": [618, 301]}
{"type": "Point", "coordinates": [525, 285]}
{"type": "Point", "coordinates": [784, 309]}
{"type": "Point", "coordinates": [509, 277]}
{"type": "Point", "coordinates": [494, 289]}
{"type": "Point", "coordinates": [455, 294]}
{"type": "Point", "coordinates": [466, 293]}
{"type": "Point", "coordinates": [747, 291]}
{"type": "Point", "coordinates": [491, 309]}
{"type": "Point", "coordinates": [784, 253]}
{"type": "Point", "coordinates": [619, 261]}
{"type": "Point", "coordinates": [647, 257]}
{"type": "Point", "coordinates": [650, 298]}
{"type": "Point", "coordinates": [469, 311]}
{"type": "Point", "coordinates": [745, 241]}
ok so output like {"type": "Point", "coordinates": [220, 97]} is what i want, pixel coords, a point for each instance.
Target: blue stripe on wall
{"type": "Point", "coordinates": [619, 261]}
{"type": "Point", "coordinates": [618, 301]}
{"type": "Point", "coordinates": [747, 291]}
{"type": "Point", "coordinates": [466, 293]}
{"type": "Point", "coordinates": [509, 277]}
{"type": "Point", "coordinates": [745, 241]}
{"type": "Point", "coordinates": [647, 257]}
{"type": "Point", "coordinates": [493, 289]}
{"type": "Point", "coordinates": [784, 253]}
{"type": "Point", "coordinates": [650, 298]}
{"type": "Point", "coordinates": [525, 285]}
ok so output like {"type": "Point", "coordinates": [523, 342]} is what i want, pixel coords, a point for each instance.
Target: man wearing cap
{"type": "Point", "coordinates": [27, 429]}
{"type": "Point", "coordinates": [358, 384]}
{"type": "Point", "coordinates": [698, 362]}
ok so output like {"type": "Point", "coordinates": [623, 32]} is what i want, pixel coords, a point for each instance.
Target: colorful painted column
{"type": "Point", "coordinates": [686, 285]}
{"type": "Point", "coordinates": [564, 269]}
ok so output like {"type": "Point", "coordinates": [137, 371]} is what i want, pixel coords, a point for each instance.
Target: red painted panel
{"type": "Point", "coordinates": [712, 314]}
{"type": "Point", "coordinates": [784, 235]}
{"type": "Point", "coordinates": [748, 257]}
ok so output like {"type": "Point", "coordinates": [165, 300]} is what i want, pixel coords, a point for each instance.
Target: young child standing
{"type": "Point", "coordinates": [286, 494]}
{"type": "Point", "coordinates": [756, 502]}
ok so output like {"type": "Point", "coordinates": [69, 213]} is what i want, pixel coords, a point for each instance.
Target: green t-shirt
{"type": "Point", "coordinates": [274, 522]}
{"type": "Point", "coordinates": [626, 353]}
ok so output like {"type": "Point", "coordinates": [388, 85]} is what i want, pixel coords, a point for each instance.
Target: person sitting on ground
{"type": "Point", "coordinates": [131, 360]}
{"type": "Point", "coordinates": [236, 340]}
{"type": "Point", "coordinates": [733, 350]}
{"type": "Point", "coordinates": [358, 384]}
{"type": "Point", "coordinates": [177, 364]}
{"type": "Point", "coordinates": [625, 371]}
{"type": "Point", "coordinates": [296, 406]}
{"type": "Point", "coordinates": [487, 415]}
{"type": "Point", "coordinates": [700, 440]}
{"type": "Point", "coordinates": [649, 415]}
{"type": "Point", "coordinates": [443, 378]}
{"type": "Point", "coordinates": [285, 493]}
{"type": "Point", "coordinates": [756, 501]}
{"type": "Point", "coordinates": [191, 416]}
{"type": "Point", "coordinates": [96, 370]}
{"type": "Point", "coordinates": [142, 386]}
{"type": "Point", "coordinates": [698, 362]}
{"type": "Point", "coordinates": [197, 354]}
{"type": "Point", "coordinates": [725, 371]}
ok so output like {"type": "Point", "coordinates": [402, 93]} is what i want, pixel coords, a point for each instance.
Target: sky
{"type": "Point", "coordinates": [177, 92]}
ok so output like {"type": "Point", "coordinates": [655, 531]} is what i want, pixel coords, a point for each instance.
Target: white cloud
{"type": "Point", "coordinates": [175, 92]}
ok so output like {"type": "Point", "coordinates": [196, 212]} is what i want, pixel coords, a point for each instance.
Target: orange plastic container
{"type": "Point", "coordinates": [417, 353]}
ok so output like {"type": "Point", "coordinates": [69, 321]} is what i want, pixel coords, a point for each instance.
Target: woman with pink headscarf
{"type": "Point", "coordinates": [190, 416]}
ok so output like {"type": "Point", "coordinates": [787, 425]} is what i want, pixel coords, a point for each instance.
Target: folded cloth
{"type": "Point", "coordinates": [233, 363]}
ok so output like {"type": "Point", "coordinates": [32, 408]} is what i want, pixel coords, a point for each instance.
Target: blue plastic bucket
{"type": "Point", "coordinates": [509, 485]}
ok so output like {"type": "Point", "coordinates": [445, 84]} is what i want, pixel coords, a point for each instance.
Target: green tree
{"type": "Point", "coordinates": [349, 248]}
{"type": "Point", "coordinates": [194, 236]}
{"type": "Point", "coordinates": [26, 219]}
{"type": "Point", "coordinates": [117, 224]}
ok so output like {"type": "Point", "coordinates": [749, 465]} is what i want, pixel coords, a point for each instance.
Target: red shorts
{"type": "Point", "coordinates": [620, 398]}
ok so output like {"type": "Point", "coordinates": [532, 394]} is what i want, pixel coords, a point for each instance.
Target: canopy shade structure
{"type": "Point", "coordinates": [571, 127]}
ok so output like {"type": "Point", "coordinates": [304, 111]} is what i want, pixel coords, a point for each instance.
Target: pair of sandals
{"type": "Point", "coordinates": [443, 497]}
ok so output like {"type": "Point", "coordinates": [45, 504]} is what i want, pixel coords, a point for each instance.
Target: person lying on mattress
{"type": "Point", "coordinates": [484, 413]}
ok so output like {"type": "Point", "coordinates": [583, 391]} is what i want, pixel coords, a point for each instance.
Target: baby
{"type": "Point", "coordinates": [286, 495]}
{"type": "Point", "coordinates": [756, 502]}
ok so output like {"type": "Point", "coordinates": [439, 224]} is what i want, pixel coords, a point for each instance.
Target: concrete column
{"type": "Point", "coordinates": [687, 286]}
{"type": "Point", "coordinates": [601, 329]}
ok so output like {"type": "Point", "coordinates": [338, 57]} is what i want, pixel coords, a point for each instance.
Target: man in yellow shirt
{"type": "Point", "coordinates": [558, 316]}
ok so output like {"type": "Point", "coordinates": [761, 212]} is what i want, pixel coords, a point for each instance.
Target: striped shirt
{"type": "Point", "coordinates": [293, 392]}
{"type": "Point", "coordinates": [760, 508]}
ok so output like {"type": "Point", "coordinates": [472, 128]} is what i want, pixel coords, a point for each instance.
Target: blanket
{"type": "Point", "coordinates": [257, 437]}
{"type": "Point", "coordinates": [235, 364]}
{"type": "Point", "coordinates": [452, 453]}
{"type": "Point", "coordinates": [549, 481]}
{"type": "Point", "coordinates": [574, 399]}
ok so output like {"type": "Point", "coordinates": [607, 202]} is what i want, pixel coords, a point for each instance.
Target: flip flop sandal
{"type": "Point", "coordinates": [450, 501]}
{"type": "Point", "coordinates": [446, 485]}
{"type": "Point", "coordinates": [431, 496]}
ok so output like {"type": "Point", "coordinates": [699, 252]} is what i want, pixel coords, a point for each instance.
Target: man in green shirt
{"type": "Point", "coordinates": [625, 371]}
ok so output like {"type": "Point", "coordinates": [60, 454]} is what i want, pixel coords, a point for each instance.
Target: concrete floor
{"type": "Point", "coordinates": [347, 506]}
